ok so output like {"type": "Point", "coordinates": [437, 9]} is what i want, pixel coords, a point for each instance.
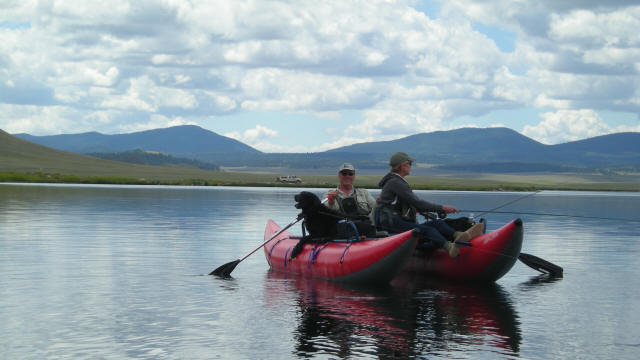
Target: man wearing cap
{"type": "Point", "coordinates": [349, 200]}
{"type": "Point", "coordinates": [398, 205]}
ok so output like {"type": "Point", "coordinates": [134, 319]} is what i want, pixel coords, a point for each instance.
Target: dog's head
{"type": "Point", "coordinates": [306, 201]}
{"type": "Point", "coordinates": [319, 220]}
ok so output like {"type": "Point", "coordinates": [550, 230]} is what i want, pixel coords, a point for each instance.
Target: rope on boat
{"type": "Point", "coordinates": [314, 253]}
{"type": "Point", "coordinates": [274, 245]}
{"type": "Point", "coordinates": [286, 256]}
{"type": "Point", "coordinates": [345, 251]}
{"type": "Point", "coordinates": [355, 237]}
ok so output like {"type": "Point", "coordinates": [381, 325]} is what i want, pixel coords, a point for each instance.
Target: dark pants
{"type": "Point", "coordinates": [432, 233]}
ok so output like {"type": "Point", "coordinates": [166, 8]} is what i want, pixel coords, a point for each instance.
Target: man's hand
{"type": "Point", "coordinates": [449, 209]}
{"type": "Point", "coordinates": [331, 196]}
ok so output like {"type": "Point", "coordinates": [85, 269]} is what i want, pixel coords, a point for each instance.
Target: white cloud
{"type": "Point", "coordinates": [222, 102]}
{"type": "Point", "coordinates": [276, 89]}
{"type": "Point", "coordinates": [511, 87]}
{"type": "Point", "coordinates": [256, 137]}
{"type": "Point", "coordinates": [144, 95]}
{"type": "Point", "coordinates": [344, 141]}
{"type": "Point", "coordinates": [154, 122]}
{"type": "Point", "coordinates": [397, 119]}
{"type": "Point", "coordinates": [567, 125]}
{"type": "Point", "coordinates": [588, 28]}
{"type": "Point", "coordinates": [134, 64]}
{"type": "Point", "coordinates": [35, 120]}
{"type": "Point", "coordinates": [258, 133]}
{"type": "Point", "coordinates": [52, 120]}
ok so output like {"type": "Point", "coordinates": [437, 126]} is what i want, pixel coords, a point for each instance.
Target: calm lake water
{"type": "Point", "coordinates": [113, 272]}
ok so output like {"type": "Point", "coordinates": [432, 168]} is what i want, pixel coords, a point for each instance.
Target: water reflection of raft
{"type": "Point", "coordinates": [374, 260]}
{"type": "Point", "coordinates": [489, 257]}
{"type": "Point", "coordinates": [413, 317]}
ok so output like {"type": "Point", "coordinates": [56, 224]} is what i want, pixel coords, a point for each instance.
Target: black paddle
{"type": "Point", "coordinates": [532, 261]}
{"type": "Point", "coordinates": [541, 265]}
{"type": "Point", "coordinates": [226, 269]}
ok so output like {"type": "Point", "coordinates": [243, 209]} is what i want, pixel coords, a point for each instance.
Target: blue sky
{"type": "Point", "coordinates": [306, 76]}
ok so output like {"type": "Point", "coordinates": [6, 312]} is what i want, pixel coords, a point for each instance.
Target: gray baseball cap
{"type": "Point", "coordinates": [398, 158]}
{"type": "Point", "coordinates": [346, 166]}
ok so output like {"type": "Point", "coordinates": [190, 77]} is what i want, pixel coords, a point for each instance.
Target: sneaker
{"type": "Point", "coordinates": [451, 248]}
{"type": "Point", "coordinates": [475, 230]}
{"type": "Point", "coordinates": [461, 236]}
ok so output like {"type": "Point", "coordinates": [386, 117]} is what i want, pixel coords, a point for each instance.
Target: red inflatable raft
{"type": "Point", "coordinates": [489, 257]}
{"type": "Point", "coordinates": [374, 260]}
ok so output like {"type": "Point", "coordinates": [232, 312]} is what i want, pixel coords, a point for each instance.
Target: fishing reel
{"type": "Point", "coordinates": [434, 216]}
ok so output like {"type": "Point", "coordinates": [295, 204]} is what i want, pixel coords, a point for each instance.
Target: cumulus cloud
{"type": "Point", "coordinates": [134, 64]}
{"type": "Point", "coordinates": [344, 141]}
{"type": "Point", "coordinates": [258, 137]}
{"type": "Point", "coordinates": [37, 120]}
{"type": "Point", "coordinates": [155, 122]}
{"type": "Point", "coordinates": [566, 125]}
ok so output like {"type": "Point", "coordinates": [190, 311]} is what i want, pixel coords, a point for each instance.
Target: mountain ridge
{"type": "Point", "coordinates": [498, 145]}
{"type": "Point", "coordinates": [172, 140]}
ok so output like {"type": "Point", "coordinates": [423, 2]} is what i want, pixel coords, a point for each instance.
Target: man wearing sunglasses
{"type": "Point", "coordinates": [398, 205]}
{"type": "Point", "coordinates": [354, 202]}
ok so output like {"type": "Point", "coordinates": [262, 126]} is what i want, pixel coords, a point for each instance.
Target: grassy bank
{"type": "Point", "coordinates": [217, 178]}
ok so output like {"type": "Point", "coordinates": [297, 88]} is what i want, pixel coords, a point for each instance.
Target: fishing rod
{"type": "Point", "coordinates": [494, 211]}
{"type": "Point", "coordinates": [548, 214]}
{"type": "Point", "coordinates": [509, 203]}
{"type": "Point", "coordinates": [532, 261]}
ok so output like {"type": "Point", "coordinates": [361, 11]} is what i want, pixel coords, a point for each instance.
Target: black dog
{"type": "Point", "coordinates": [324, 224]}
{"type": "Point", "coordinates": [319, 220]}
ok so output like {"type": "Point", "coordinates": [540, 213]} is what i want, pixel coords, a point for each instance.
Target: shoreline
{"type": "Point", "coordinates": [480, 183]}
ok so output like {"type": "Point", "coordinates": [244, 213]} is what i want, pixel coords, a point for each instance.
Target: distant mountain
{"type": "Point", "coordinates": [466, 149]}
{"type": "Point", "coordinates": [605, 150]}
{"type": "Point", "coordinates": [489, 144]}
{"type": "Point", "coordinates": [154, 158]}
{"type": "Point", "coordinates": [502, 145]}
{"type": "Point", "coordinates": [177, 140]}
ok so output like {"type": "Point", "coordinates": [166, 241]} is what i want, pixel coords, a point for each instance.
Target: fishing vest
{"type": "Point", "coordinates": [351, 207]}
{"type": "Point", "coordinates": [386, 212]}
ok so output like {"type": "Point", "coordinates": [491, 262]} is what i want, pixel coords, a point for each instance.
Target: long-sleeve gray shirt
{"type": "Point", "coordinates": [396, 189]}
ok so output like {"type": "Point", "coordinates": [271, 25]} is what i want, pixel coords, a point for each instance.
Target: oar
{"type": "Point", "coordinates": [226, 269]}
{"type": "Point", "coordinates": [541, 265]}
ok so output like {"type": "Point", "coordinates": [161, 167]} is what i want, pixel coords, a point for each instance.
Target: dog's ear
{"type": "Point", "coordinates": [307, 200]}
{"type": "Point", "coordinates": [296, 197]}
{"type": "Point", "coordinates": [312, 199]}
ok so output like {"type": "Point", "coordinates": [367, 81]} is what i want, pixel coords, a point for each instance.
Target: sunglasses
{"type": "Point", "coordinates": [347, 173]}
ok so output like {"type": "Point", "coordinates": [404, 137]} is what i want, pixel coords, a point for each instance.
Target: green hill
{"type": "Point", "coordinates": [19, 156]}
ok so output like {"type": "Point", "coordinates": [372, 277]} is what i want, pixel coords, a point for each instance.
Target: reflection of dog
{"type": "Point", "coordinates": [319, 220]}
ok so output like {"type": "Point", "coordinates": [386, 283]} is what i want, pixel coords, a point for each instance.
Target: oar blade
{"type": "Point", "coordinates": [541, 265]}
{"type": "Point", "coordinates": [226, 269]}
